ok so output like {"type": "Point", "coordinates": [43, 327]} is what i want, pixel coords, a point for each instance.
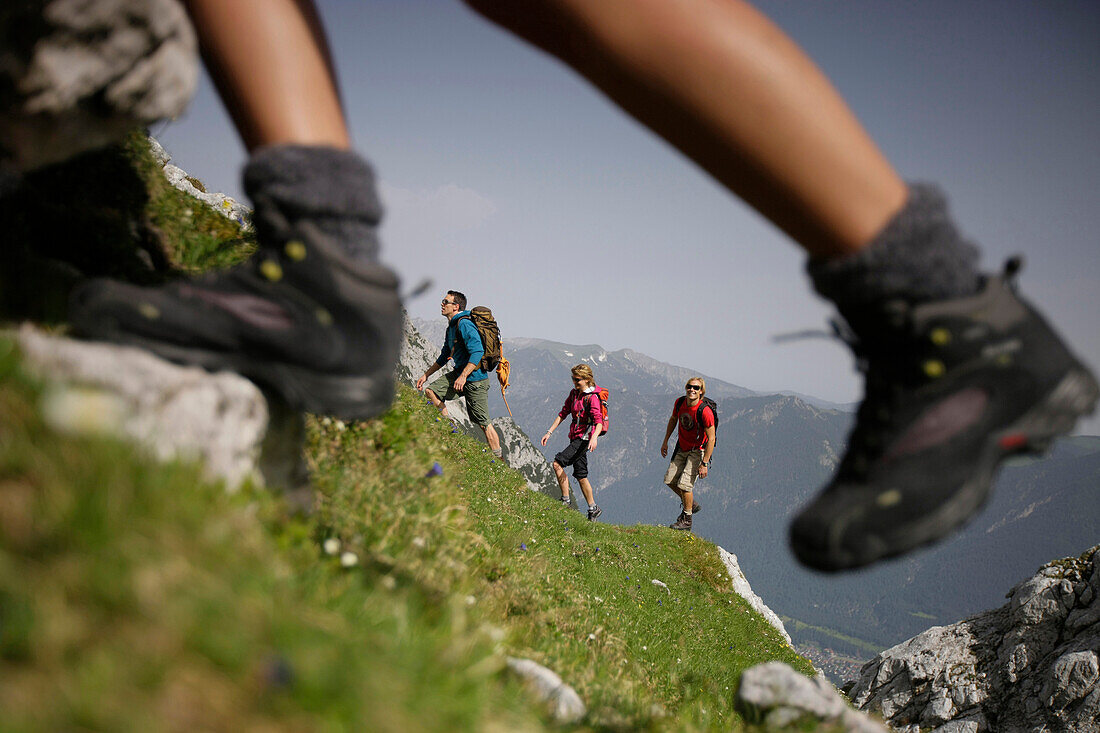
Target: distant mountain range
{"type": "Point", "coordinates": [774, 452]}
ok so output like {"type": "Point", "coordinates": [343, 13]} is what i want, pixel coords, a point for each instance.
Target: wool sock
{"type": "Point", "coordinates": [919, 256]}
{"type": "Point", "coordinates": [332, 188]}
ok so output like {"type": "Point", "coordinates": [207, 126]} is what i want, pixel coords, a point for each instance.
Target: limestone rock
{"type": "Point", "coordinates": [741, 585]}
{"type": "Point", "coordinates": [778, 695]}
{"type": "Point", "coordinates": [564, 703]}
{"type": "Point", "coordinates": [1033, 664]}
{"type": "Point", "coordinates": [78, 74]}
{"type": "Point", "coordinates": [227, 206]}
{"type": "Point", "coordinates": [175, 412]}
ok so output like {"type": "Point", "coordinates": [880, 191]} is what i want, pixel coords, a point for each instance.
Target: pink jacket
{"type": "Point", "coordinates": [586, 412]}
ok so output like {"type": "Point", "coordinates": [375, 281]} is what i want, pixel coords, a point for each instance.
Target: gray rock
{"type": "Point", "coordinates": [563, 702]}
{"type": "Point", "coordinates": [741, 585]}
{"type": "Point", "coordinates": [78, 74]}
{"type": "Point", "coordinates": [220, 419]}
{"type": "Point", "coordinates": [1033, 664]}
{"type": "Point", "coordinates": [778, 695]}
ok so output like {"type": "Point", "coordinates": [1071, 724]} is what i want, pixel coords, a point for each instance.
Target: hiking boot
{"type": "Point", "coordinates": [302, 317]}
{"type": "Point", "coordinates": [682, 522]}
{"type": "Point", "coordinates": [594, 513]}
{"type": "Point", "coordinates": [564, 500]}
{"type": "Point", "coordinates": [953, 387]}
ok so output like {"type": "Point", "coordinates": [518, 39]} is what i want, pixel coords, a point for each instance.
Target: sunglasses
{"type": "Point", "coordinates": [447, 302]}
{"type": "Point", "coordinates": [695, 387]}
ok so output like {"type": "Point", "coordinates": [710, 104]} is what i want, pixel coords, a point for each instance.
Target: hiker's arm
{"type": "Point", "coordinates": [427, 373]}
{"type": "Point", "coordinates": [546, 435]}
{"type": "Point", "coordinates": [460, 381]}
{"type": "Point", "coordinates": [668, 434]}
{"type": "Point", "coordinates": [597, 422]}
{"type": "Point", "coordinates": [708, 451]}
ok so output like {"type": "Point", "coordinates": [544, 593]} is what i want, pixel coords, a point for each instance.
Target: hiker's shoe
{"type": "Point", "coordinates": [594, 513]}
{"type": "Point", "coordinates": [564, 500]}
{"type": "Point", "coordinates": [301, 317]}
{"type": "Point", "coordinates": [952, 388]}
{"type": "Point", "coordinates": [682, 522]}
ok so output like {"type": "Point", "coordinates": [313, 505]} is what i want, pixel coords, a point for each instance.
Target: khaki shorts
{"type": "Point", "coordinates": [683, 469]}
{"type": "Point", "coordinates": [476, 394]}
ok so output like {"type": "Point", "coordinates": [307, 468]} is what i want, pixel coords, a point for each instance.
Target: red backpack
{"type": "Point", "coordinates": [604, 395]}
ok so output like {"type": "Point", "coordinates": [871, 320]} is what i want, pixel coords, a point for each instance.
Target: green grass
{"type": "Point", "coordinates": [136, 596]}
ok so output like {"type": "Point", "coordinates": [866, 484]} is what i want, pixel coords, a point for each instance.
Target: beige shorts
{"type": "Point", "coordinates": [683, 469]}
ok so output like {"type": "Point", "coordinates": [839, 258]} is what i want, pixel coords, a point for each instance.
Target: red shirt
{"type": "Point", "coordinates": [691, 436]}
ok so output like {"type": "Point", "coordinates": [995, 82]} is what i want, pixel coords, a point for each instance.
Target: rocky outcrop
{"type": "Point", "coordinates": [76, 75]}
{"type": "Point", "coordinates": [222, 420]}
{"type": "Point", "coordinates": [775, 694]}
{"type": "Point", "coordinates": [1030, 665]}
{"type": "Point", "coordinates": [227, 206]}
{"type": "Point", "coordinates": [741, 585]}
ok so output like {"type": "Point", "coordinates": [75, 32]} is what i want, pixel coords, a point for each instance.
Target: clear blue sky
{"type": "Point", "coordinates": [507, 177]}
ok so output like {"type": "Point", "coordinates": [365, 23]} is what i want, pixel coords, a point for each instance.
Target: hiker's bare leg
{"type": "Point", "coordinates": [687, 500]}
{"type": "Point", "coordinates": [729, 89]}
{"type": "Point", "coordinates": [563, 479]}
{"type": "Point", "coordinates": [438, 403]}
{"type": "Point", "coordinates": [492, 438]}
{"type": "Point", "coordinates": [271, 64]}
{"type": "Point", "coordinates": [586, 489]}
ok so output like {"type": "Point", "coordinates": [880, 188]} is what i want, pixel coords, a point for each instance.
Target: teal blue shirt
{"type": "Point", "coordinates": [463, 344]}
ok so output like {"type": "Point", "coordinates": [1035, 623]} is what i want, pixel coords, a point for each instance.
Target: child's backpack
{"type": "Point", "coordinates": [490, 336]}
{"type": "Point", "coordinates": [704, 401]}
{"type": "Point", "coordinates": [604, 396]}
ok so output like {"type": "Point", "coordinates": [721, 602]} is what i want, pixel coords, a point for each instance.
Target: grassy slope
{"type": "Point", "coordinates": [134, 596]}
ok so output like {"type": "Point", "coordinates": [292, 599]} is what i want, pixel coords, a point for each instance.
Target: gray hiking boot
{"type": "Point", "coordinates": [594, 513]}
{"type": "Point", "coordinates": [953, 388]}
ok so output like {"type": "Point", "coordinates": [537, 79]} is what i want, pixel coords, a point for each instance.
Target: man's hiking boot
{"type": "Point", "coordinates": [682, 522]}
{"type": "Point", "coordinates": [301, 317]}
{"type": "Point", "coordinates": [594, 513]}
{"type": "Point", "coordinates": [564, 500]}
{"type": "Point", "coordinates": [953, 387]}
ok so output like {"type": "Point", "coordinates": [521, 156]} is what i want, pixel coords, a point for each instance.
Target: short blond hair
{"type": "Point", "coordinates": [583, 371]}
{"type": "Point", "coordinates": [702, 383]}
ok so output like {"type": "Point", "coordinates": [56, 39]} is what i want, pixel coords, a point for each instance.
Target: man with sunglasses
{"type": "Point", "coordinates": [694, 447]}
{"type": "Point", "coordinates": [463, 344]}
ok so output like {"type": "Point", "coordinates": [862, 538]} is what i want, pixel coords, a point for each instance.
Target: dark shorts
{"type": "Point", "coordinates": [575, 455]}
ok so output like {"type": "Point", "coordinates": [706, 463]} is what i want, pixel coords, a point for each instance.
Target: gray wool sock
{"type": "Point", "coordinates": [919, 256]}
{"type": "Point", "coordinates": [332, 188]}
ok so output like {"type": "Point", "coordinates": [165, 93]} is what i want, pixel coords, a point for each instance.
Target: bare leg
{"type": "Point", "coordinates": [687, 500]}
{"type": "Point", "coordinates": [438, 403]}
{"type": "Point", "coordinates": [492, 438]}
{"type": "Point", "coordinates": [729, 89]}
{"type": "Point", "coordinates": [563, 479]}
{"type": "Point", "coordinates": [271, 63]}
{"type": "Point", "coordinates": [586, 489]}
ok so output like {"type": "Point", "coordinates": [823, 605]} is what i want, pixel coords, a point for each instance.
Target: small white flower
{"type": "Point", "coordinates": [419, 542]}
{"type": "Point", "coordinates": [332, 546]}
{"type": "Point", "coordinates": [349, 559]}
{"type": "Point", "coordinates": [389, 583]}
{"type": "Point", "coordinates": [470, 600]}
{"type": "Point", "coordinates": [591, 637]}
{"type": "Point", "coordinates": [644, 648]}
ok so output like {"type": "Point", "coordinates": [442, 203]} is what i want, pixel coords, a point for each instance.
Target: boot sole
{"type": "Point", "coordinates": [1054, 416]}
{"type": "Point", "coordinates": [349, 397]}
